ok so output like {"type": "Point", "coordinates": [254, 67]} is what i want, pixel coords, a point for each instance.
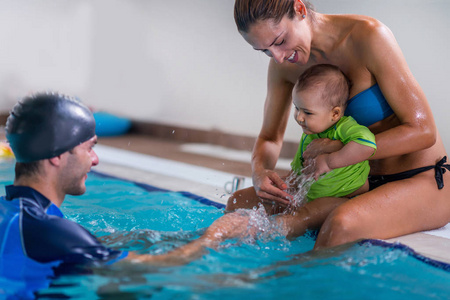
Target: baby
{"type": "Point", "coordinates": [320, 97]}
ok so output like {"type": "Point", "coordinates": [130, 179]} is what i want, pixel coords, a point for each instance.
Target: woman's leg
{"type": "Point", "coordinates": [229, 226]}
{"type": "Point", "coordinates": [311, 216]}
{"type": "Point", "coordinates": [236, 225]}
{"type": "Point", "coordinates": [247, 198]}
{"type": "Point", "coordinates": [391, 210]}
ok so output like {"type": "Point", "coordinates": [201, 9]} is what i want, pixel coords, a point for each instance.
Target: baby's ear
{"type": "Point", "coordinates": [336, 113]}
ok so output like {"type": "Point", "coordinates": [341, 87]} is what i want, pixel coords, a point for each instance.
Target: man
{"type": "Point", "coordinates": [52, 137]}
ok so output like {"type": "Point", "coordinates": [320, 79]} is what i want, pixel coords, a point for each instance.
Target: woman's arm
{"type": "Point", "coordinates": [352, 153]}
{"type": "Point", "coordinates": [267, 183]}
{"type": "Point", "coordinates": [385, 61]}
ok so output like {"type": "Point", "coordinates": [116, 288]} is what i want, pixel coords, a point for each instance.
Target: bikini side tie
{"type": "Point", "coordinates": [440, 169]}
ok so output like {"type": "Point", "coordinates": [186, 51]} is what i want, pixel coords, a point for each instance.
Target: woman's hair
{"type": "Point", "coordinates": [334, 84]}
{"type": "Point", "coordinates": [248, 12]}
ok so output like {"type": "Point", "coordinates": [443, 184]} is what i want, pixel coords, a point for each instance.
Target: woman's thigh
{"type": "Point", "coordinates": [310, 216]}
{"type": "Point", "coordinates": [393, 209]}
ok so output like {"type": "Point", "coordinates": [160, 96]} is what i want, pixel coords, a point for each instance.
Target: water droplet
{"type": "Point", "coordinates": [298, 187]}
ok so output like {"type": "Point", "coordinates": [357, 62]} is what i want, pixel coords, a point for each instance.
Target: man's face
{"type": "Point", "coordinates": [78, 163]}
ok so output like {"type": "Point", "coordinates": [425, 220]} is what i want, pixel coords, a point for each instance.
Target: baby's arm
{"type": "Point", "coordinates": [352, 153]}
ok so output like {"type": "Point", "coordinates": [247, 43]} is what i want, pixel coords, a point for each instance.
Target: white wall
{"type": "Point", "coordinates": [43, 45]}
{"type": "Point", "coordinates": [176, 62]}
{"type": "Point", "coordinates": [183, 62]}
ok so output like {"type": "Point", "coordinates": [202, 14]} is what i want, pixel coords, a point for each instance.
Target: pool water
{"type": "Point", "coordinates": [128, 216]}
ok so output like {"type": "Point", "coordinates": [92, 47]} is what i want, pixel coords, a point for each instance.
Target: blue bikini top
{"type": "Point", "coordinates": [369, 106]}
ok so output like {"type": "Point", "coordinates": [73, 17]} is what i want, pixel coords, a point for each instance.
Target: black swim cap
{"type": "Point", "coordinates": [47, 125]}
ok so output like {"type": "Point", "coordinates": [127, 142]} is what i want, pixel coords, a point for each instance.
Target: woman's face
{"type": "Point", "coordinates": [289, 40]}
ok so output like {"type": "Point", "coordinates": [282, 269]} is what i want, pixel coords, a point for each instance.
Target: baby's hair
{"type": "Point", "coordinates": [334, 84]}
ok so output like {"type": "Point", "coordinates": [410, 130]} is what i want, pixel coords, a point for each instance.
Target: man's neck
{"type": "Point", "coordinates": [45, 188]}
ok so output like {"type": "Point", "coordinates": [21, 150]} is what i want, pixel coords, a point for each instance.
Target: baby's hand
{"type": "Point", "coordinates": [321, 166]}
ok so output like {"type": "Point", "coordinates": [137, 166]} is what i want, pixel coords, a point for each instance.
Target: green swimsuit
{"type": "Point", "coordinates": [343, 181]}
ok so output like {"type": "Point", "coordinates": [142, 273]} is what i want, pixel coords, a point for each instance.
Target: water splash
{"type": "Point", "coordinates": [298, 187]}
{"type": "Point", "coordinates": [260, 227]}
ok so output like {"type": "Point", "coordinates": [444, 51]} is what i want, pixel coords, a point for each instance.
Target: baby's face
{"type": "Point", "coordinates": [311, 111]}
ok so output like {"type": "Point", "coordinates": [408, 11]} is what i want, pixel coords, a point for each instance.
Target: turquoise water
{"type": "Point", "coordinates": [126, 216]}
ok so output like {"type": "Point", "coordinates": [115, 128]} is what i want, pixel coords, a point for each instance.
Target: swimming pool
{"type": "Point", "coordinates": [140, 217]}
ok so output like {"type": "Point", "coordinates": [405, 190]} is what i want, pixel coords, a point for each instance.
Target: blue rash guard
{"type": "Point", "coordinates": [31, 226]}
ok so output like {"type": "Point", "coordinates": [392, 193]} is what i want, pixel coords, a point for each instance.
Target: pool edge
{"type": "Point", "coordinates": [409, 251]}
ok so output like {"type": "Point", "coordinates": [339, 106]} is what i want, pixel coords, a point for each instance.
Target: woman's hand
{"type": "Point", "coordinates": [270, 187]}
{"type": "Point", "coordinates": [321, 146]}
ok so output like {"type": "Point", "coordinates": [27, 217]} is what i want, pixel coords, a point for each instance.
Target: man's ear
{"type": "Point", "coordinates": [55, 161]}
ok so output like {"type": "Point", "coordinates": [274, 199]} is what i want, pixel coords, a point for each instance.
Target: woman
{"type": "Point", "coordinates": [408, 171]}
{"type": "Point", "coordinates": [388, 100]}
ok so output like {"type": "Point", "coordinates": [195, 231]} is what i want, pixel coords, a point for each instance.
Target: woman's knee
{"type": "Point", "coordinates": [245, 198]}
{"type": "Point", "coordinates": [229, 226]}
{"type": "Point", "coordinates": [340, 227]}
{"type": "Point", "coordinates": [232, 202]}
